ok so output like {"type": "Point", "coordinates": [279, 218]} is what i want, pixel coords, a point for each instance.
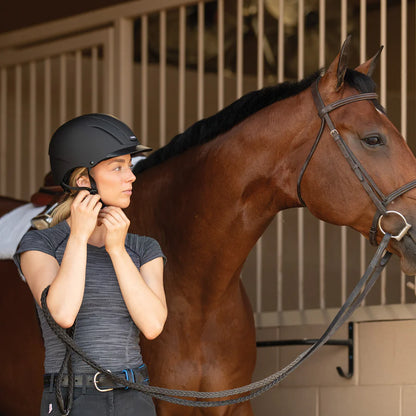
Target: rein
{"type": "Point", "coordinates": [367, 281]}
{"type": "Point", "coordinates": [257, 388]}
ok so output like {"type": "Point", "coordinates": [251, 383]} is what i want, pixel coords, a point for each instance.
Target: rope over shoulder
{"type": "Point", "coordinates": [364, 285]}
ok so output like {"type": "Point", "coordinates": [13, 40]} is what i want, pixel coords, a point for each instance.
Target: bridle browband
{"type": "Point", "coordinates": [380, 200]}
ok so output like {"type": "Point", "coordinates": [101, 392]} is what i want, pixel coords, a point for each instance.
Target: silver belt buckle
{"type": "Point", "coordinates": [96, 381]}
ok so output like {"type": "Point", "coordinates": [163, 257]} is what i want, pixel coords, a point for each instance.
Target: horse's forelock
{"type": "Point", "coordinates": [362, 83]}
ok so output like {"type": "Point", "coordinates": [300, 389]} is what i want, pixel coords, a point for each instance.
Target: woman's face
{"type": "Point", "coordinates": [114, 180]}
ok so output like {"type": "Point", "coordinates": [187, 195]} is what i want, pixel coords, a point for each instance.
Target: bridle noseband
{"type": "Point", "coordinates": [380, 200]}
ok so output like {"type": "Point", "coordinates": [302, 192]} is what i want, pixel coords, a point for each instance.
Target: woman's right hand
{"type": "Point", "coordinates": [84, 213]}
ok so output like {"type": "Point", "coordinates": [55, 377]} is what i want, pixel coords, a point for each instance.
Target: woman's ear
{"type": "Point", "coordinates": [84, 181]}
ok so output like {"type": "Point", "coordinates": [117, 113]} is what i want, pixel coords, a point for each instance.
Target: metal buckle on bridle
{"type": "Point", "coordinates": [402, 233]}
{"type": "Point", "coordinates": [96, 381]}
{"type": "Point", "coordinates": [334, 133]}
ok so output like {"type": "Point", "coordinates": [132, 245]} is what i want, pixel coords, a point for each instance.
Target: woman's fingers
{"type": "Point", "coordinates": [86, 200]}
{"type": "Point", "coordinates": [115, 215]}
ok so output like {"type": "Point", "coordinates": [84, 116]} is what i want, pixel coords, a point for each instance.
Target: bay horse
{"type": "Point", "coordinates": [211, 192]}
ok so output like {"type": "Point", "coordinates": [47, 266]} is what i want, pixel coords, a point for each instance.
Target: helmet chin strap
{"type": "Point", "coordinates": [92, 189]}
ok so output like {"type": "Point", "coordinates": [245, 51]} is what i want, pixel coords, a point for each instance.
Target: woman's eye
{"type": "Point", "coordinates": [373, 140]}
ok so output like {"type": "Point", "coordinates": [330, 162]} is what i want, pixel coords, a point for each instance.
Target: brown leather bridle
{"type": "Point", "coordinates": [380, 200]}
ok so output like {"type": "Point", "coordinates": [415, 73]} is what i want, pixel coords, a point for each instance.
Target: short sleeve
{"type": "Point", "coordinates": [147, 248]}
{"type": "Point", "coordinates": [32, 240]}
{"type": "Point", "coordinates": [151, 250]}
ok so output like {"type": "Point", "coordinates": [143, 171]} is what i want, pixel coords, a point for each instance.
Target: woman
{"type": "Point", "coordinates": [107, 281]}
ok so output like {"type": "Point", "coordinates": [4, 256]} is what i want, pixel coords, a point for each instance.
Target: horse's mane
{"type": "Point", "coordinates": [209, 128]}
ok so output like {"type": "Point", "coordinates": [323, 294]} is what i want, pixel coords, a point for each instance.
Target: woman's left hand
{"type": "Point", "coordinates": [117, 224]}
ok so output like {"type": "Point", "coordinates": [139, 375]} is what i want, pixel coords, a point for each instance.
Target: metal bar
{"type": "Point", "coordinates": [162, 78]}
{"type": "Point", "coordinates": [403, 109]}
{"type": "Point", "coordinates": [62, 88]}
{"type": "Point", "coordinates": [260, 82]}
{"type": "Point", "coordinates": [32, 127]}
{"type": "Point", "coordinates": [123, 69]}
{"type": "Point", "coordinates": [3, 129]}
{"type": "Point", "coordinates": [322, 26]}
{"type": "Point", "coordinates": [322, 296]}
{"type": "Point", "coordinates": [344, 264]}
{"type": "Point", "coordinates": [279, 268]}
{"type": "Point", "coordinates": [260, 44]}
{"type": "Point", "coordinates": [383, 286]}
{"type": "Point", "coordinates": [144, 77]}
{"type": "Point", "coordinates": [383, 57]}
{"type": "Point", "coordinates": [18, 133]}
{"type": "Point", "coordinates": [78, 82]}
{"type": "Point", "coordinates": [201, 63]}
{"type": "Point", "coordinates": [280, 215]}
{"type": "Point", "coordinates": [220, 54]}
{"type": "Point", "coordinates": [281, 43]}
{"type": "Point", "coordinates": [94, 79]}
{"type": "Point", "coordinates": [47, 110]}
{"type": "Point", "coordinates": [301, 225]}
{"type": "Point", "coordinates": [363, 30]}
{"type": "Point", "coordinates": [344, 20]}
{"type": "Point", "coordinates": [240, 50]}
{"type": "Point", "coordinates": [109, 64]}
{"type": "Point", "coordinates": [108, 83]}
{"type": "Point", "coordinates": [363, 266]}
{"type": "Point", "coordinates": [182, 68]}
{"type": "Point", "coordinates": [363, 56]}
{"type": "Point", "coordinates": [259, 275]}
{"type": "Point", "coordinates": [403, 78]}
{"type": "Point", "coordinates": [301, 39]}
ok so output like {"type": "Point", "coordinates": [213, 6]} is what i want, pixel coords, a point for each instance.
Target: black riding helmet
{"type": "Point", "coordinates": [86, 141]}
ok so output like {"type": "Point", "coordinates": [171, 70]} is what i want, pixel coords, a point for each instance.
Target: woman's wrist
{"type": "Point", "coordinates": [78, 238]}
{"type": "Point", "coordinates": [115, 252]}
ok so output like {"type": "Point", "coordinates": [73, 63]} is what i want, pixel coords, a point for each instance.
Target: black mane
{"type": "Point", "coordinates": [209, 128]}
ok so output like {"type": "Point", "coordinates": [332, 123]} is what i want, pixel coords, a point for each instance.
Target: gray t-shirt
{"type": "Point", "coordinates": [104, 328]}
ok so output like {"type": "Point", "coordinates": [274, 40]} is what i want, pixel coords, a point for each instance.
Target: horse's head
{"type": "Point", "coordinates": [362, 167]}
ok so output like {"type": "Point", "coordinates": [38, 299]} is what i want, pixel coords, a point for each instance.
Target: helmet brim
{"type": "Point", "coordinates": [132, 150]}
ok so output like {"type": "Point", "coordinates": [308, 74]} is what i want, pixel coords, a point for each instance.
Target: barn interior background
{"type": "Point", "coordinates": [160, 65]}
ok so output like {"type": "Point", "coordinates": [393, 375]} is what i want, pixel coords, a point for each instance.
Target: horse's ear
{"type": "Point", "coordinates": [339, 65]}
{"type": "Point", "coordinates": [368, 67]}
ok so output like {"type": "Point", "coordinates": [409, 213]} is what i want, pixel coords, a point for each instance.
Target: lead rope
{"type": "Point", "coordinates": [67, 362]}
{"type": "Point", "coordinates": [364, 285]}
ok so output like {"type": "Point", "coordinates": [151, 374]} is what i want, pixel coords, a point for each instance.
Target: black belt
{"type": "Point", "coordinates": [100, 381]}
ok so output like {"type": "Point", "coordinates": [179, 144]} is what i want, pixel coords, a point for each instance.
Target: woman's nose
{"type": "Point", "coordinates": [131, 177]}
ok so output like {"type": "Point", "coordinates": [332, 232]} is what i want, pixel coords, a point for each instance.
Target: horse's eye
{"type": "Point", "coordinates": [373, 140]}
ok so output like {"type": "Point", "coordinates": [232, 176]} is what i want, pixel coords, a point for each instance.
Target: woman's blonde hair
{"type": "Point", "coordinates": [63, 210]}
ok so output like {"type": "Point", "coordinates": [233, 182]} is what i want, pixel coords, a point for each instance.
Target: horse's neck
{"type": "Point", "coordinates": [214, 201]}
